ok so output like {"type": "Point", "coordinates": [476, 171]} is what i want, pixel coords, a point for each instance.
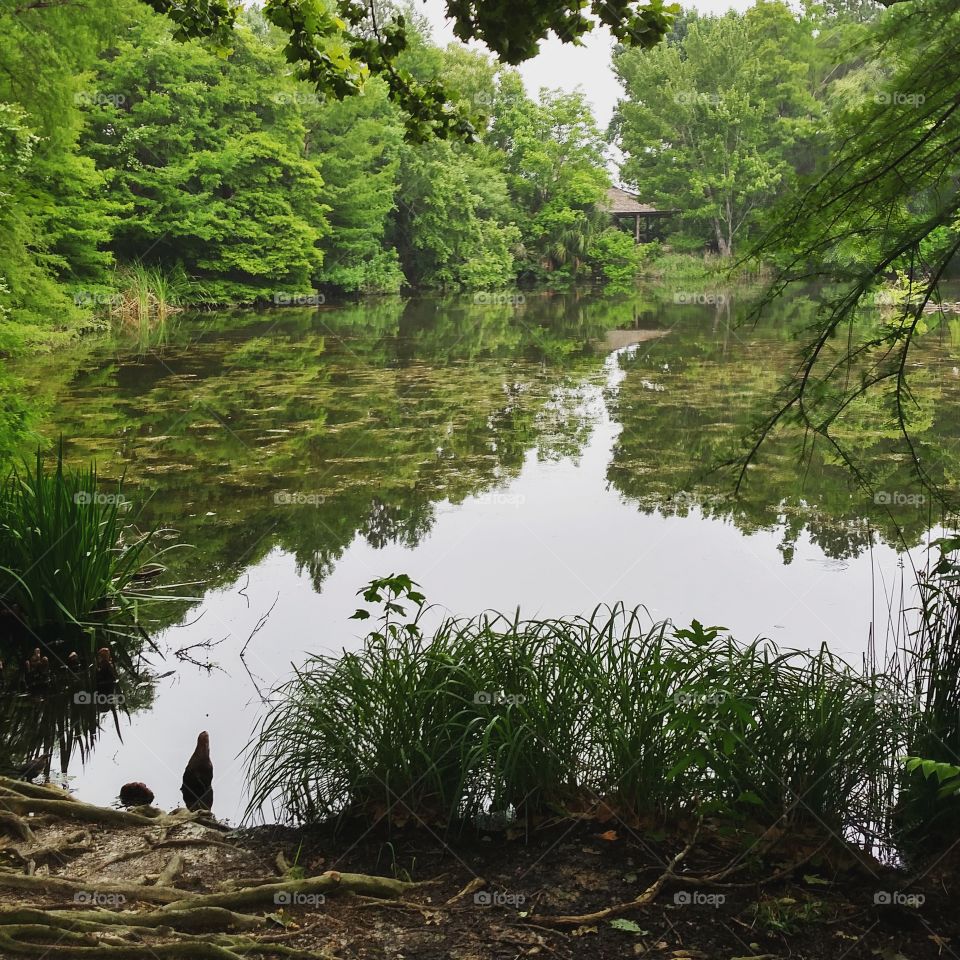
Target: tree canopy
{"type": "Point", "coordinates": [337, 46]}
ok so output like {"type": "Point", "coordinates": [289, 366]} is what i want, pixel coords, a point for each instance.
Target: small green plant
{"type": "Point", "coordinates": [390, 591]}
{"type": "Point", "coordinates": [947, 774]}
{"type": "Point", "coordinates": [787, 916]}
{"type": "Point", "coordinates": [397, 871]}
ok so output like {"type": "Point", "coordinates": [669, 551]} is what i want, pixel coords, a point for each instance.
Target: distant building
{"type": "Point", "coordinates": [647, 220]}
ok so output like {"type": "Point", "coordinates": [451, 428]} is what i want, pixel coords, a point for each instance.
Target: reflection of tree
{"type": "Point", "coordinates": [688, 400]}
{"type": "Point", "coordinates": [378, 411]}
{"type": "Point", "coordinates": [305, 429]}
{"type": "Point", "coordinates": [60, 724]}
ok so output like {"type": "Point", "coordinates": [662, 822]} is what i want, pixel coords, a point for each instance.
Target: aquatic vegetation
{"type": "Point", "coordinates": [602, 715]}
{"type": "Point", "coordinates": [148, 294]}
{"type": "Point", "coordinates": [929, 670]}
{"type": "Point", "coordinates": [71, 562]}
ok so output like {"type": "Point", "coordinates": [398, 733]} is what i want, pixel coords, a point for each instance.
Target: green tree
{"type": "Point", "coordinates": [53, 220]}
{"type": "Point", "coordinates": [355, 144]}
{"type": "Point", "coordinates": [552, 154]}
{"type": "Point", "coordinates": [336, 46]}
{"type": "Point", "coordinates": [447, 231]}
{"type": "Point", "coordinates": [887, 204]}
{"type": "Point", "coordinates": [206, 157]}
{"type": "Point", "coordinates": [711, 122]}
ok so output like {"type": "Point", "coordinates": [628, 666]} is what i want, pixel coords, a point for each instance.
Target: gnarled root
{"type": "Point", "coordinates": [210, 926]}
{"type": "Point", "coordinates": [287, 891]}
{"type": "Point", "coordinates": [106, 934]}
{"type": "Point", "coordinates": [15, 827]}
{"type": "Point", "coordinates": [32, 940]}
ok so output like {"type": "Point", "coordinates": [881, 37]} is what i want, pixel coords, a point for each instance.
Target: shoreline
{"type": "Point", "coordinates": [178, 884]}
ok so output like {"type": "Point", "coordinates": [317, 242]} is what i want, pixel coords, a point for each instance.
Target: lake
{"type": "Point", "coordinates": [551, 452]}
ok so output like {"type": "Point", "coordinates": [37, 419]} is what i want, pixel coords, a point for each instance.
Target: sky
{"type": "Point", "coordinates": [563, 65]}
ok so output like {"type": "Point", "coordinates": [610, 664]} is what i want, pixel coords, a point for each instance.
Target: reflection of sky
{"type": "Point", "coordinates": [556, 541]}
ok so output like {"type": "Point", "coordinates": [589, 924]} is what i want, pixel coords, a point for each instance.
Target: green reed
{"type": "Point", "coordinates": [71, 559]}
{"type": "Point", "coordinates": [529, 719]}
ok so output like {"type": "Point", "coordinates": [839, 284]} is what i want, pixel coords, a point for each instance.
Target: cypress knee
{"type": "Point", "coordinates": [197, 786]}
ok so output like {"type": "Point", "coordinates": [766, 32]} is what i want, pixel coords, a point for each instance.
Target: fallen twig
{"type": "Point", "coordinates": [648, 896]}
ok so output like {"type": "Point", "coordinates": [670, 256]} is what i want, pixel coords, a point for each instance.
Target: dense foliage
{"type": "Point", "coordinates": [137, 148]}
{"type": "Point", "coordinates": [337, 46]}
{"type": "Point", "coordinates": [190, 142]}
{"type": "Point", "coordinates": [717, 120]}
{"type": "Point", "coordinates": [886, 205]}
{"type": "Point", "coordinates": [70, 563]}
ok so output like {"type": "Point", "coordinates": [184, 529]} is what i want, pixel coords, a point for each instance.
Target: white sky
{"type": "Point", "coordinates": [566, 66]}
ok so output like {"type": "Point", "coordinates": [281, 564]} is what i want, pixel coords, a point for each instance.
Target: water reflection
{"type": "Point", "coordinates": [52, 719]}
{"type": "Point", "coordinates": [501, 454]}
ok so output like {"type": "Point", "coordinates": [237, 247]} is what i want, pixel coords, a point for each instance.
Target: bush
{"type": "Point", "coordinates": [617, 258]}
{"type": "Point", "coordinates": [531, 718]}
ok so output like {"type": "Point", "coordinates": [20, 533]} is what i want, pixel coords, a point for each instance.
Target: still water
{"type": "Point", "coordinates": [554, 455]}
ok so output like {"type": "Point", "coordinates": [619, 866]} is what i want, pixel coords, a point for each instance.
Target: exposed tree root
{"type": "Point", "coordinates": [271, 894]}
{"type": "Point", "coordinates": [186, 927]}
{"type": "Point", "coordinates": [172, 871]}
{"type": "Point", "coordinates": [16, 827]}
{"type": "Point", "coordinates": [477, 883]}
{"type": "Point", "coordinates": [73, 810]}
{"type": "Point", "coordinates": [85, 891]}
{"type": "Point", "coordinates": [32, 940]}
{"type": "Point", "coordinates": [24, 788]}
{"type": "Point", "coordinates": [74, 845]}
{"type": "Point", "coordinates": [197, 920]}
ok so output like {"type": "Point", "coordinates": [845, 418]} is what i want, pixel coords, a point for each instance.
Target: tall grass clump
{"type": "Point", "coordinates": [605, 715]}
{"type": "Point", "coordinates": [380, 732]}
{"type": "Point", "coordinates": [71, 563]}
{"type": "Point", "coordinates": [928, 668]}
{"type": "Point", "coordinates": [147, 295]}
